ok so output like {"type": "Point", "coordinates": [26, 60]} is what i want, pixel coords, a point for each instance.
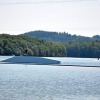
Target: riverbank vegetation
{"type": "Point", "coordinates": [23, 45]}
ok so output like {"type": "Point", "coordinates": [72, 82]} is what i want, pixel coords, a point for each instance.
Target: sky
{"type": "Point", "coordinates": [80, 17]}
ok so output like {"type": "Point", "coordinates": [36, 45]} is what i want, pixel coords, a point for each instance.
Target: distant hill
{"type": "Point", "coordinates": [61, 37]}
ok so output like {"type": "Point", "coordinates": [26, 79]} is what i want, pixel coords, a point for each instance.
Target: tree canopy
{"type": "Point", "coordinates": [23, 45]}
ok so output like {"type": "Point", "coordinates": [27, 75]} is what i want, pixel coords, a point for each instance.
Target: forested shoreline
{"type": "Point", "coordinates": [23, 45]}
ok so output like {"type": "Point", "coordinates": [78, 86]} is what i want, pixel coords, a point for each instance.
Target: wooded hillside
{"type": "Point", "coordinates": [61, 37]}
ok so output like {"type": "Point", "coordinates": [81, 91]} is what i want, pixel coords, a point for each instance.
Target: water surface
{"type": "Point", "coordinates": [47, 82]}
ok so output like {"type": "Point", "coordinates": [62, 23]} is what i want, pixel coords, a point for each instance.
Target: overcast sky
{"type": "Point", "coordinates": [81, 17]}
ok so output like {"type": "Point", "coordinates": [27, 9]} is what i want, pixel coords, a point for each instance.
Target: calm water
{"type": "Point", "coordinates": [47, 82]}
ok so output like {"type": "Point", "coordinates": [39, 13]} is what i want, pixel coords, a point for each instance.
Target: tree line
{"type": "Point", "coordinates": [84, 49]}
{"type": "Point", "coordinates": [24, 45]}
{"type": "Point", "coordinates": [21, 45]}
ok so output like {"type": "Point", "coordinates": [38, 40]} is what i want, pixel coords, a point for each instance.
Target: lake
{"type": "Point", "coordinates": [50, 82]}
